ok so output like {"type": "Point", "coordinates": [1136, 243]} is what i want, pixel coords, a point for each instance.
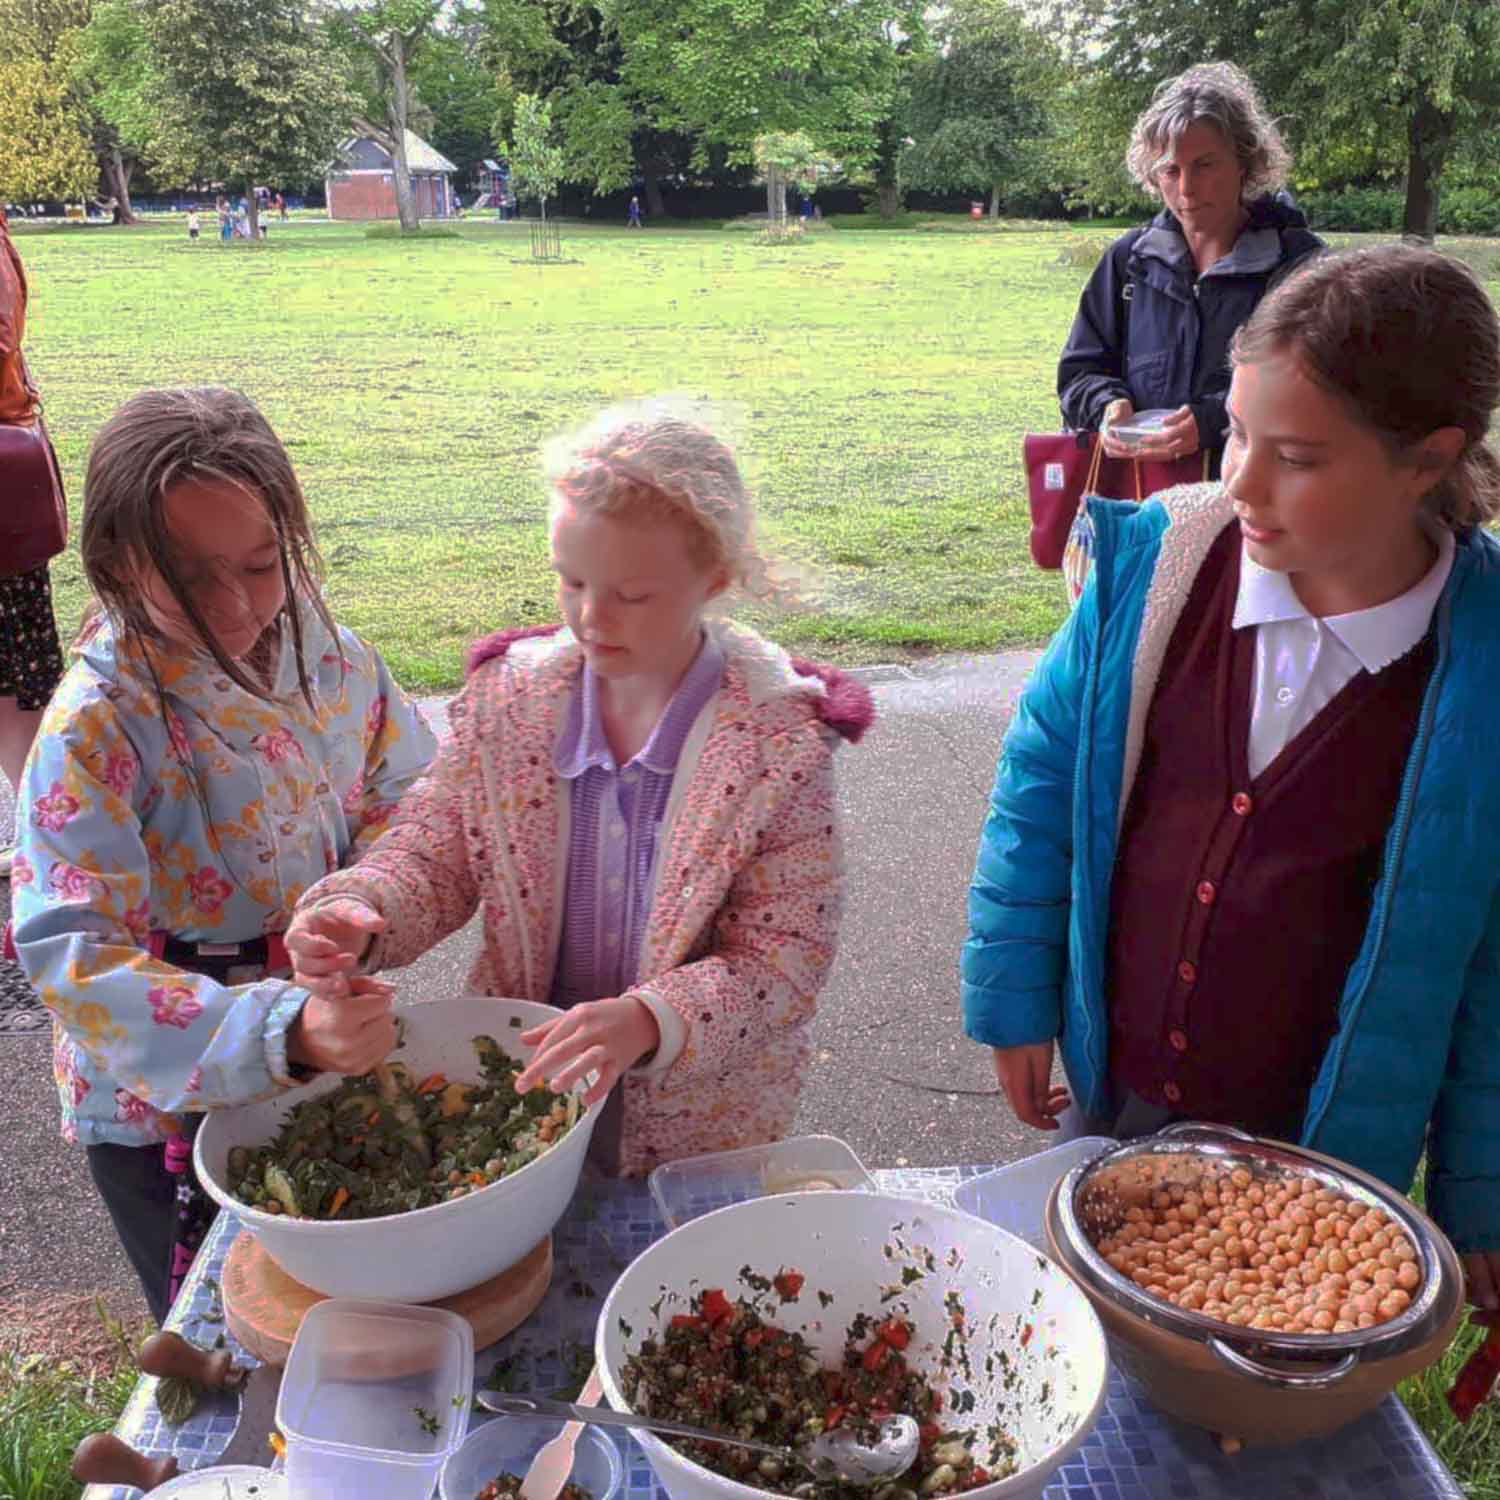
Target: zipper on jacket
{"type": "Point", "coordinates": [1401, 826]}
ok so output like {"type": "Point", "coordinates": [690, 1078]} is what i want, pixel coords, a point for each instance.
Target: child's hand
{"type": "Point", "coordinates": [327, 942]}
{"type": "Point", "coordinates": [1482, 1278]}
{"type": "Point", "coordinates": [348, 1034]}
{"type": "Point", "coordinates": [1025, 1073]}
{"type": "Point", "coordinates": [607, 1035]}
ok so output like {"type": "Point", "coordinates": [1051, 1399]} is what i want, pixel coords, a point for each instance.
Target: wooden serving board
{"type": "Point", "coordinates": [264, 1307]}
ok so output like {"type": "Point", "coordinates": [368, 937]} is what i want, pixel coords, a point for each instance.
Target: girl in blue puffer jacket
{"type": "Point", "coordinates": [1241, 862]}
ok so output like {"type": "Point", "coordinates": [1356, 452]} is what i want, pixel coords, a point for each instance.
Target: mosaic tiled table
{"type": "Point", "coordinates": [1134, 1453]}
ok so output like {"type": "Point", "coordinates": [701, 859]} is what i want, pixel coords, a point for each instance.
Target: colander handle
{"type": "Point", "coordinates": [1182, 1127]}
{"type": "Point", "coordinates": [1285, 1380]}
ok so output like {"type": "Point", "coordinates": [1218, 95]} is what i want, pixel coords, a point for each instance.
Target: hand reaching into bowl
{"type": "Point", "coordinates": [327, 943]}
{"type": "Point", "coordinates": [349, 1033]}
{"type": "Point", "coordinates": [604, 1035]}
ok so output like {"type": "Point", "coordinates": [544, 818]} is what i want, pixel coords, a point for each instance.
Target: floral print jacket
{"type": "Point", "coordinates": [115, 844]}
{"type": "Point", "coordinates": [748, 888]}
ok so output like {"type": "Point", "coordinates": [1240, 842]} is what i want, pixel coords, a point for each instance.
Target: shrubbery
{"type": "Point", "coordinates": [1376, 210]}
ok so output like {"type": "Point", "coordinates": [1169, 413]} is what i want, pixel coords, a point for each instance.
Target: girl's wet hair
{"type": "Point", "coordinates": [1409, 340]}
{"type": "Point", "coordinates": [155, 441]}
{"type": "Point", "coordinates": [641, 464]}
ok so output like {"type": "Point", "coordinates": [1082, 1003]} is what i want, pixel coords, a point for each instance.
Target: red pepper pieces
{"type": "Point", "coordinates": [788, 1284]}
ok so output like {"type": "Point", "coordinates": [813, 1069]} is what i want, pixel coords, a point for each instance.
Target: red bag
{"type": "Point", "coordinates": [33, 510]}
{"type": "Point", "coordinates": [1063, 467]}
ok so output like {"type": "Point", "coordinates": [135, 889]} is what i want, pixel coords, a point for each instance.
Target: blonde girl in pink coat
{"type": "Point", "coordinates": [640, 802]}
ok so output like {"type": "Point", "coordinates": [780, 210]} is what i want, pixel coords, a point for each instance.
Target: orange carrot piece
{"type": "Point", "coordinates": [340, 1198]}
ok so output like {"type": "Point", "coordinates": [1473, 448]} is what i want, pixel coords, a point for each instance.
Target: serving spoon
{"type": "Point", "coordinates": [836, 1455]}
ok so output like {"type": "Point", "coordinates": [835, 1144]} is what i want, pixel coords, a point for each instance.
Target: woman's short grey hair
{"type": "Point", "coordinates": [1222, 95]}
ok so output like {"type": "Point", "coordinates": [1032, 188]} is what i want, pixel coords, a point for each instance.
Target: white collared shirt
{"type": "Point", "coordinates": [1302, 662]}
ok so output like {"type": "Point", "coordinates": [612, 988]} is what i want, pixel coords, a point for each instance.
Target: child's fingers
{"type": "Point", "coordinates": [561, 1080]}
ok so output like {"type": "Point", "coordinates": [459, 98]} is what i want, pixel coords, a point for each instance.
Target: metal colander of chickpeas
{"type": "Point", "coordinates": [1222, 1263]}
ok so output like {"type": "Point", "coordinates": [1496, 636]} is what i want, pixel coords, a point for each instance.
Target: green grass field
{"type": "Point", "coordinates": [878, 385]}
{"type": "Point", "coordinates": [882, 384]}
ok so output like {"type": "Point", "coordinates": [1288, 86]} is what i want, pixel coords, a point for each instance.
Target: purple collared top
{"type": "Point", "coordinates": [617, 814]}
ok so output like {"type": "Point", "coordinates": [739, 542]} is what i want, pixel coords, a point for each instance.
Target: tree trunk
{"type": "Point", "coordinates": [400, 108]}
{"type": "Point", "coordinates": [1429, 133]}
{"type": "Point", "coordinates": [888, 196]}
{"type": "Point", "coordinates": [995, 201]}
{"type": "Point", "coordinates": [654, 205]}
{"type": "Point", "coordinates": [117, 179]}
{"type": "Point", "coordinates": [253, 199]}
{"type": "Point", "coordinates": [775, 197]}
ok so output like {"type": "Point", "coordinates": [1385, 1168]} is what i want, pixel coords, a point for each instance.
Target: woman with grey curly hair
{"type": "Point", "coordinates": [1156, 319]}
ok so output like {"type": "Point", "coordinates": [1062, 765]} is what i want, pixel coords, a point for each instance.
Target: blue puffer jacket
{"type": "Point", "coordinates": [1419, 1033]}
{"type": "Point", "coordinates": [1170, 347]}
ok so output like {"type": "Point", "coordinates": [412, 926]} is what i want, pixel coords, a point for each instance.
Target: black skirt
{"type": "Point", "coordinates": [31, 660]}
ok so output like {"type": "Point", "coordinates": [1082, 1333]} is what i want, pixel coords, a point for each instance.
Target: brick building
{"type": "Point", "coordinates": [362, 184]}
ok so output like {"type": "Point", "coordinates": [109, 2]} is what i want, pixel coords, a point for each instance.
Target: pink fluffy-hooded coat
{"type": "Point", "coordinates": [744, 924]}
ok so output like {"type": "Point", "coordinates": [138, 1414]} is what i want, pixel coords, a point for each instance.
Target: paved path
{"type": "Point", "coordinates": [893, 1074]}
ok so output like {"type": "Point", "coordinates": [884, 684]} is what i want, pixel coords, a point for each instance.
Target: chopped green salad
{"type": "Point", "coordinates": [386, 1144]}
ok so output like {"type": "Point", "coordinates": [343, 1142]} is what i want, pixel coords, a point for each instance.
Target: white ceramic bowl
{"type": "Point", "coordinates": [431, 1252]}
{"type": "Point", "coordinates": [1045, 1388]}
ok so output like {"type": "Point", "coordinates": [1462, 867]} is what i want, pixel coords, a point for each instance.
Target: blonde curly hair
{"type": "Point", "coordinates": [1222, 95]}
{"type": "Point", "coordinates": [659, 462]}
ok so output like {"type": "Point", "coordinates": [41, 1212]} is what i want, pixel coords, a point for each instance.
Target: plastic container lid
{"type": "Point", "coordinates": [377, 1383]}
{"type": "Point", "coordinates": [508, 1444]}
{"type": "Point", "coordinates": [803, 1163]}
{"type": "Point", "coordinates": [1142, 425]}
{"type": "Point", "coordinates": [1015, 1197]}
{"type": "Point", "coordinates": [224, 1482]}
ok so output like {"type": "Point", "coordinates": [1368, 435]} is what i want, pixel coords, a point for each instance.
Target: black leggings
{"type": "Point", "coordinates": [141, 1196]}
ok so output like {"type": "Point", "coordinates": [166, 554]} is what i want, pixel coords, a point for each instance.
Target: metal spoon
{"type": "Point", "coordinates": [833, 1455]}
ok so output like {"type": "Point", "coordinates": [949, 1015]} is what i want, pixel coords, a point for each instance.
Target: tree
{"type": "Point", "coordinates": [536, 161]}
{"type": "Point", "coordinates": [45, 150]}
{"type": "Point", "coordinates": [95, 49]}
{"type": "Point", "coordinates": [392, 33]}
{"type": "Point", "coordinates": [458, 94]}
{"type": "Point", "coordinates": [257, 91]}
{"type": "Point", "coordinates": [728, 74]}
{"type": "Point", "coordinates": [979, 116]}
{"type": "Point", "coordinates": [788, 159]}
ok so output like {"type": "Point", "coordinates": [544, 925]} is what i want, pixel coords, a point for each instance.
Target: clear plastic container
{"type": "Point", "coordinates": [1142, 425]}
{"type": "Point", "coordinates": [375, 1398]}
{"type": "Point", "coordinates": [1015, 1197]}
{"type": "Point", "coordinates": [803, 1163]}
{"type": "Point", "coordinates": [508, 1444]}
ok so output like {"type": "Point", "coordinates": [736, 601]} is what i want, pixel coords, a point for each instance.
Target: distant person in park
{"type": "Point", "coordinates": [226, 222]}
{"type": "Point", "coordinates": [31, 662]}
{"type": "Point", "coordinates": [192, 224]}
{"type": "Point", "coordinates": [281, 207]}
{"type": "Point", "coordinates": [1248, 872]}
{"type": "Point", "coordinates": [218, 745]}
{"type": "Point", "coordinates": [642, 803]}
{"type": "Point", "coordinates": [633, 217]}
{"type": "Point", "coordinates": [1155, 321]}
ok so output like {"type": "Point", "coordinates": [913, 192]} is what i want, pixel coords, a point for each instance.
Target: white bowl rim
{"type": "Point", "coordinates": [997, 1489]}
{"type": "Point", "coordinates": [248, 1214]}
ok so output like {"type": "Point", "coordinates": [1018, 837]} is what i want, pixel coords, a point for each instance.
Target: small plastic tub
{"type": "Point", "coordinates": [1144, 424]}
{"type": "Point", "coordinates": [801, 1164]}
{"type": "Point", "coordinates": [1015, 1197]}
{"type": "Point", "coordinates": [508, 1444]}
{"type": "Point", "coordinates": [374, 1400]}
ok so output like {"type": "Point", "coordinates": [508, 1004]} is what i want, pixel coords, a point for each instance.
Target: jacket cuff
{"type": "Point", "coordinates": [673, 1031]}
{"type": "Point", "coordinates": [279, 1021]}
{"type": "Point", "coordinates": [1011, 1019]}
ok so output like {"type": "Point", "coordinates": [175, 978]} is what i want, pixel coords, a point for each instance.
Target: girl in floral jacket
{"type": "Point", "coordinates": [217, 746]}
{"type": "Point", "coordinates": [640, 804]}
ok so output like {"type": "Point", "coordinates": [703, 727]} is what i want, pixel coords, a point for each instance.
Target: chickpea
{"type": "Point", "coordinates": [1338, 1261]}
{"type": "Point", "coordinates": [1344, 1326]}
{"type": "Point", "coordinates": [1324, 1319]}
{"type": "Point", "coordinates": [1408, 1277]}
